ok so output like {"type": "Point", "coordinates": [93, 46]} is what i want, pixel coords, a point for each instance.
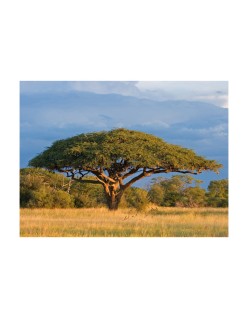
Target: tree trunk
{"type": "Point", "coordinates": [113, 200]}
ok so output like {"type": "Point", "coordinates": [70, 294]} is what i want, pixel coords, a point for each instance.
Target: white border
{"type": "Point", "coordinates": [116, 40]}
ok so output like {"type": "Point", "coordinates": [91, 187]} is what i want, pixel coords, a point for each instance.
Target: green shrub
{"type": "Point", "coordinates": [87, 195]}
{"type": "Point", "coordinates": [40, 188]}
{"type": "Point", "coordinates": [136, 198]}
{"type": "Point", "coordinates": [178, 190]}
{"type": "Point", "coordinates": [193, 197]}
{"type": "Point", "coordinates": [217, 195]}
{"type": "Point", "coordinates": [62, 199]}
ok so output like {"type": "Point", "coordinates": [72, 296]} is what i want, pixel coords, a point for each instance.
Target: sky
{"type": "Point", "coordinates": [215, 92]}
{"type": "Point", "coordinates": [190, 114]}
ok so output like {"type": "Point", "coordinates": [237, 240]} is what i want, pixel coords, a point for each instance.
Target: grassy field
{"type": "Point", "coordinates": [99, 222]}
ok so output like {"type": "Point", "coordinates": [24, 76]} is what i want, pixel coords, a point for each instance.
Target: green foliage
{"type": "Point", "coordinates": [42, 189]}
{"type": "Point", "coordinates": [218, 193]}
{"type": "Point", "coordinates": [119, 149]}
{"type": "Point", "coordinates": [156, 194]}
{"type": "Point", "coordinates": [87, 195]}
{"type": "Point", "coordinates": [41, 198]}
{"type": "Point", "coordinates": [177, 191]}
{"type": "Point", "coordinates": [34, 178]}
{"type": "Point", "coordinates": [62, 199]}
{"type": "Point", "coordinates": [193, 197]}
{"type": "Point", "coordinates": [136, 198]}
{"type": "Point", "coordinates": [185, 191]}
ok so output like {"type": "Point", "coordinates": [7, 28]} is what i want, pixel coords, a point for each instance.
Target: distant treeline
{"type": "Point", "coordinates": [40, 188]}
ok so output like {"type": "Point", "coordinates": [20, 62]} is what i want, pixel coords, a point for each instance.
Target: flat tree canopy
{"type": "Point", "coordinates": [118, 158]}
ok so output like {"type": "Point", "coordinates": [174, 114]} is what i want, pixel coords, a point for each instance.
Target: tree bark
{"type": "Point", "coordinates": [113, 199]}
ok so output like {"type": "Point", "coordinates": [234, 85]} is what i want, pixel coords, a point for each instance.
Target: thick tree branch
{"type": "Point", "coordinates": [131, 172]}
{"type": "Point", "coordinates": [149, 172]}
{"type": "Point", "coordinates": [140, 176]}
{"type": "Point", "coordinates": [102, 176]}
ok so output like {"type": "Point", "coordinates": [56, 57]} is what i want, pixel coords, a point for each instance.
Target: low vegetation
{"type": "Point", "coordinates": [40, 188]}
{"type": "Point", "coordinates": [100, 222]}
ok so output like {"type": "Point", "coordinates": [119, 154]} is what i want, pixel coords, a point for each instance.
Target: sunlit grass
{"type": "Point", "coordinates": [100, 222]}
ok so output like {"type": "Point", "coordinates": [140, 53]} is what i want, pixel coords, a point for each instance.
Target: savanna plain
{"type": "Point", "coordinates": [101, 222]}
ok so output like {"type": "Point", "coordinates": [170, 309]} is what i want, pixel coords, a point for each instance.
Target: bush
{"type": "Point", "coordinates": [136, 198]}
{"type": "Point", "coordinates": [217, 195]}
{"type": "Point", "coordinates": [178, 190]}
{"type": "Point", "coordinates": [62, 199]}
{"type": "Point", "coordinates": [193, 197]}
{"type": "Point", "coordinates": [43, 189]}
{"type": "Point", "coordinates": [40, 199]}
{"type": "Point", "coordinates": [87, 195]}
{"type": "Point", "coordinates": [40, 188]}
{"type": "Point", "coordinates": [156, 194]}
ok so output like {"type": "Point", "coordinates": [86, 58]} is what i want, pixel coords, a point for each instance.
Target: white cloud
{"type": "Point", "coordinates": [220, 130]}
{"type": "Point", "coordinates": [215, 92]}
{"type": "Point", "coordinates": [127, 88]}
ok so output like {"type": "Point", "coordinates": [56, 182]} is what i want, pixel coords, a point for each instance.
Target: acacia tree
{"type": "Point", "coordinates": [118, 158]}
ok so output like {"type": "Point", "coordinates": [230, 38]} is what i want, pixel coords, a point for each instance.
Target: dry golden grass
{"type": "Point", "coordinates": [100, 222]}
